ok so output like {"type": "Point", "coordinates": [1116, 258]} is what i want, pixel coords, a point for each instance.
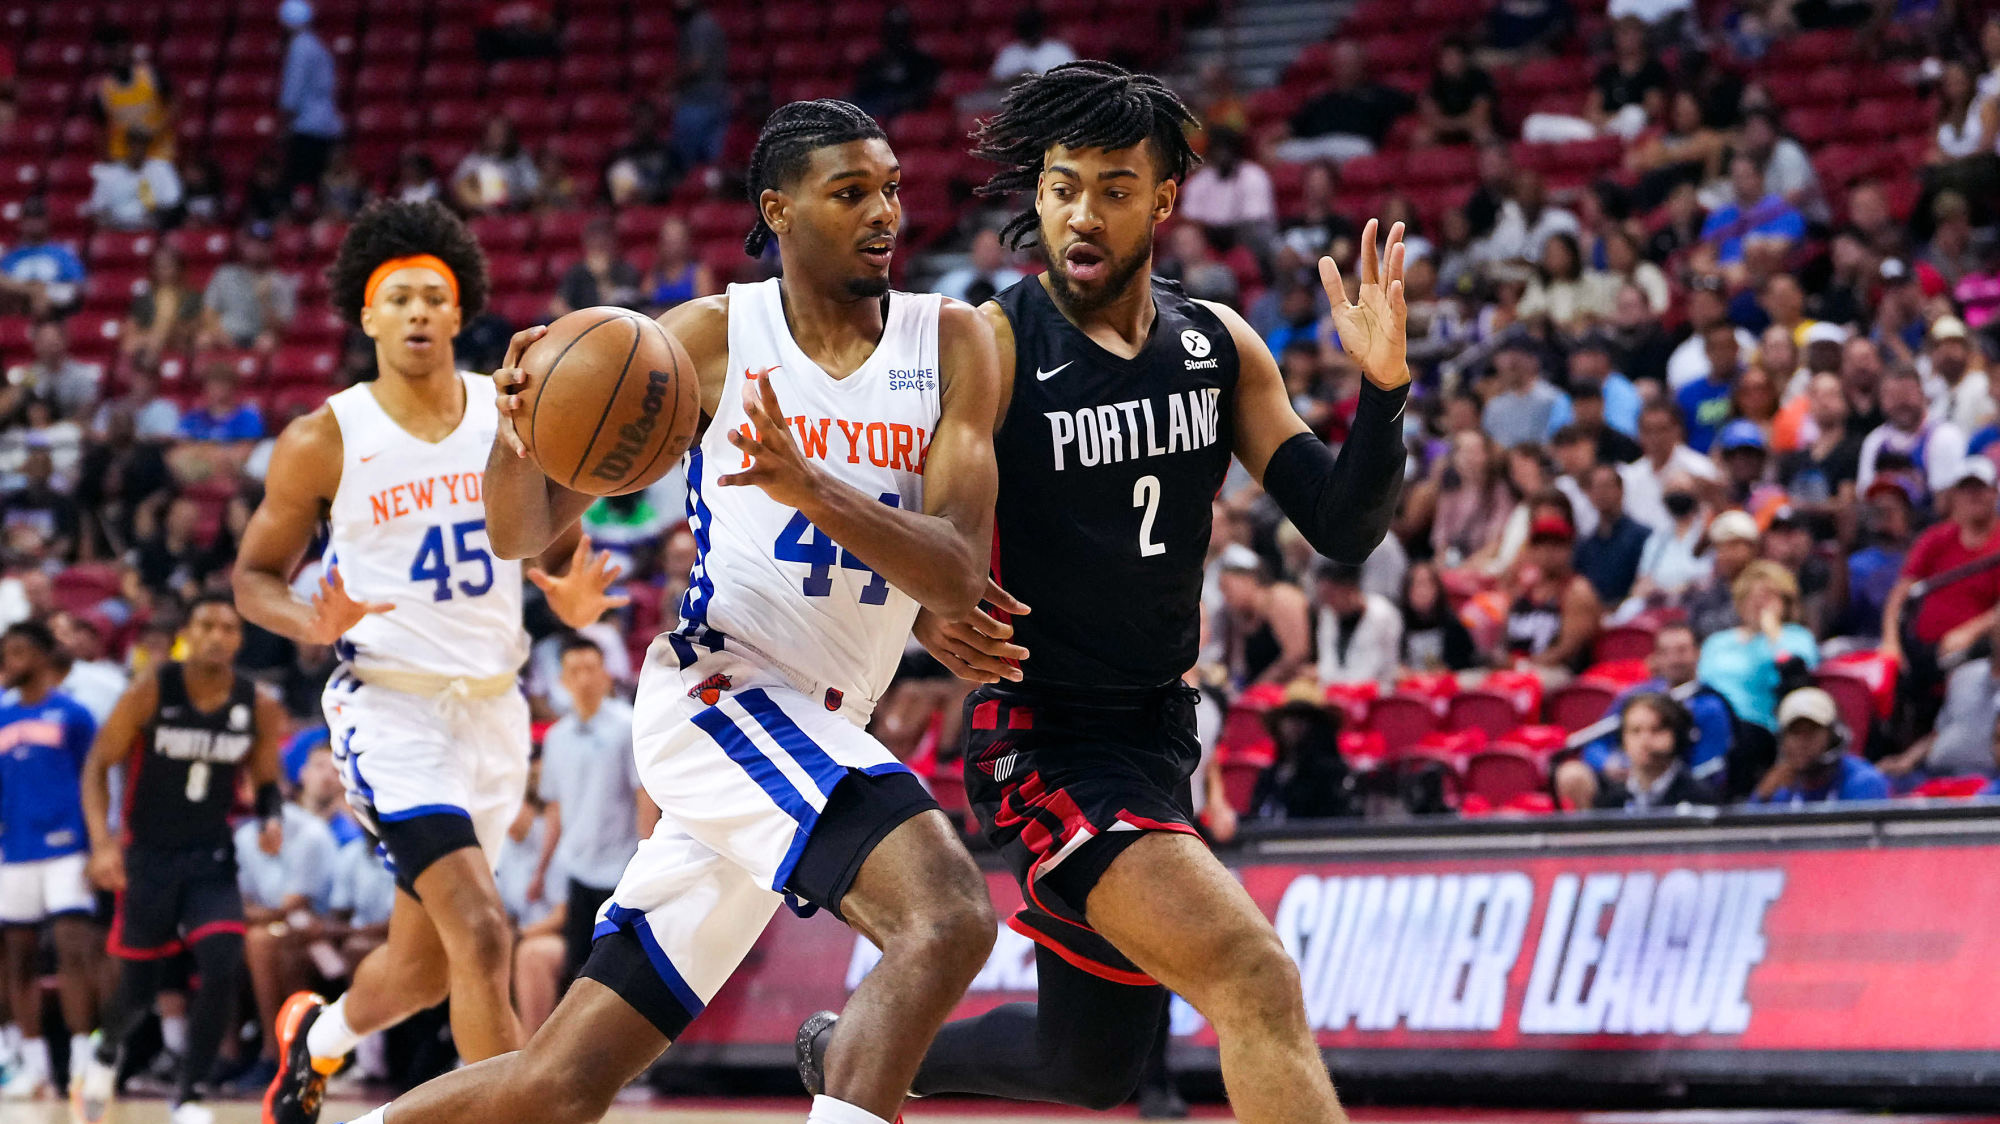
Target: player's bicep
{"type": "Point", "coordinates": [702, 327]}
{"type": "Point", "coordinates": [126, 722]}
{"type": "Point", "coordinates": [304, 473]}
{"type": "Point", "coordinates": [1264, 418]}
{"type": "Point", "coordinates": [960, 478]}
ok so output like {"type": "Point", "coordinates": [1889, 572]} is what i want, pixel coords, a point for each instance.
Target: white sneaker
{"type": "Point", "coordinates": [27, 1083]}
{"type": "Point", "coordinates": [192, 1112]}
{"type": "Point", "coordinates": [92, 1086]}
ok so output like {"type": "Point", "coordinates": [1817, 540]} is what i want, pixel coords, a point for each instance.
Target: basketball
{"type": "Point", "coordinates": [611, 403]}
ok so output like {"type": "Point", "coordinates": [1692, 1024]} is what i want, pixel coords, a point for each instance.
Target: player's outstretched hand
{"type": "Point", "coordinates": [578, 596]}
{"type": "Point", "coordinates": [1375, 331]}
{"type": "Point", "coordinates": [334, 612]}
{"type": "Point", "coordinates": [776, 464]}
{"type": "Point", "coordinates": [107, 869]}
{"type": "Point", "coordinates": [978, 647]}
{"type": "Point", "coordinates": [509, 380]}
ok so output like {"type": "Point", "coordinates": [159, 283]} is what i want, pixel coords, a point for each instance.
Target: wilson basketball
{"type": "Point", "coordinates": [612, 401]}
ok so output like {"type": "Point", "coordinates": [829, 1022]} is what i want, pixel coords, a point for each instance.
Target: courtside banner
{"type": "Point", "coordinates": [1747, 957]}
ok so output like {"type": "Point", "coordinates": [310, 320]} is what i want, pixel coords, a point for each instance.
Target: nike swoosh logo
{"type": "Point", "coordinates": [369, 457]}
{"type": "Point", "coordinates": [750, 374]}
{"type": "Point", "coordinates": [1044, 376]}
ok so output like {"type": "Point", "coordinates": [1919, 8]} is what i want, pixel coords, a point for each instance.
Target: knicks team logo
{"type": "Point", "coordinates": [709, 690]}
{"type": "Point", "coordinates": [833, 697]}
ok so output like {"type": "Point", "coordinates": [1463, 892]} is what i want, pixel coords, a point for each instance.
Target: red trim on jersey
{"type": "Point", "coordinates": [1078, 960]}
{"type": "Point", "coordinates": [1021, 718]}
{"type": "Point", "coordinates": [212, 928]}
{"type": "Point", "coordinates": [986, 715]}
{"type": "Point", "coordinates": [1145, 824]}
{"type": "Point", "coordinates": [114, 942]}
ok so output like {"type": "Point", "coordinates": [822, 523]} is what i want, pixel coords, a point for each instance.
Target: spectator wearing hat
{"type": "Point", "coordinates": [1734, 543]}
{"type": "Point", "coordinates": [1664, 455]}
{"type": "Point", "coordinates": [1705, 402]}
{"type": "Point", "coordinates": [249, 301]}
{"type": "Point", "coordinates": [1309, 780]}
{"type": "Point", "coordinates": [1899, 309]}
{"type": "Point", "coordinates": [1933, 449]}
{"type": "Point", "coordinates": [1521, 405]}
{"type": "Point", "coordinates": [1746, 464]}
{"type": "Point", "coordinates": [1814, 765]}
{"type": "Point", "coordinates": [1266, 628]}
{"type": "Point", "coordinates": [1888, 521]}
{"type": "Point", "coordinates": [1958, 392]}
{"type": "Point", "coordinates": [1955, 616]}
{"type": "Point", "coordinates": [1819, 353]}
{"type": "Point", "coordinates": [1359, 634]}
{"type": "Point", "coordinates": [1609, 556]}
{"type": "Point", "coordinates": [1963, 741]}
{"type": "Point", "coordinates": [1555, 615]}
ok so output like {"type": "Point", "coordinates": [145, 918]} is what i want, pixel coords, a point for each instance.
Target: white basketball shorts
{"type": "Point", "coordinates": [33, 892]}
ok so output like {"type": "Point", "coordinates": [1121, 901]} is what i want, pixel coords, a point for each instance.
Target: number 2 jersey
{"type": "Point", "coordinates": [766, 580]}
{"type": "Point", "coordinates": [181, 778]}
{"type": "Point", "coordinates": [1108, 468]}
{"type": "Point", "coordinates": [409, 528]}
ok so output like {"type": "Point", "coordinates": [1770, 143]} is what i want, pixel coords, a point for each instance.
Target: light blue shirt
{"type": "Point", "coordinates": [362, 884]}
{"type": "Point", "coordinates": [516, 868]}
{"type": "Point", "coordinates": [1621, 407]}
{"type": "Point", "coordinates": [1743, 668]}
{"type": "Point", "coordinates": [307, 93]}
{"type": "Point", "coordinates": [304, 865]}
{"type": "Point", "coordinates": [588, 769]}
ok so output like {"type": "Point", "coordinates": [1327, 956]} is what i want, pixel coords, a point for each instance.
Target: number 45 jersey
{"type": "Point", "coordinates": [1108, 469]}
{"type": "Point", "coordinates": [766, 581]}
{"type": "Point", "coordinates": [409, 528]}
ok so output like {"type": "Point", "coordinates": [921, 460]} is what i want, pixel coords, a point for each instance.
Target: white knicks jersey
{"type": "Point", "coordinates": [767, 581]}
{"type": "Point", "coordinates": [409, 528]}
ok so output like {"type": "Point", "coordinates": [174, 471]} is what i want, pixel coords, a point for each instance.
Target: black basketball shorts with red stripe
{"type": "Point", "coordinates": [1063, 780]}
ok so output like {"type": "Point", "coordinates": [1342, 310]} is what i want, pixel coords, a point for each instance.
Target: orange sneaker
{"type": "Point", "coordinates": [295, 1093]}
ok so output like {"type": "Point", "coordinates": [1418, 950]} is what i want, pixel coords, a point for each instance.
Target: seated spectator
{"type": "Point", "coordinates": [1663, 455]}
{"type": "Point", "coordinates": [1963, 742]}
{"type": "Point", "coordinates": [555, 188]}
{"type": "Point", "coordinates": [1519, 28]}
{"type": "Point", "coordinates": [1468, 502]}
{"type": "Point", "coordinates": [1629, 89]}
{"type": "Point", "coordinates": [135, 193]}
{"type": "Point", "coordinates": [203, 194]}
{"type": "Point", "coordinates": [643, 169]}
{"type": "Point", "coordinates": [1624, 265]}
{"type": "Point", "coordinates": [1814, 765]}
{"type": "Point", "coordinates": [1317, 228]}
{"type": "Point", "coordinates": [1525, 222]}
{"type": "Point", "coordinates": [1359, 635]}
{"type": "Point", "coordinates": [499, 175]}
{"type": "Point", "coordinates": [1734, 542]}
{"type": "Point", "coordinates": [1657, 739]}
{"type": "Point", "coordinates": [1788, 171]}
{"type": "Point", "coordinates": [1350, 118]}
{"type": "Point", "coordinates": [1609, 556]}
{"type": "Point", "coordinates": [541, 957]}
{"type": "Point", "coordinates": [1555, 614]}
{"type": "Point", "coordinates": [287, 879]}
{"type": "Point", "coordinates": [151, 417]}
{"type": "Point", "coordinates": [166, 554]}
{"type": "Point", "coordinates": [1755, 663]}
{"type": "Point", "coordinates": [1956, 248]}
{"type": "Point", "coordinates": [1956, 616]}
{"type": "Point", "coordinates": [165, 317]}
{"type": "Point", "coordinates": [37, 505]}
{"type": "Point", "coordinates": [1934, 448]}
{"type": "Point", "coordinates": [37, 276]}
{"type": "Point", "coordinates": [899, 76]}
{"type": "Point", "coordinates": [985, 272]}
{"type": "Point", "coordinates": [1888, 521]}
{"type": "Point", "coordinates": [1265, 629]}
{"type": "Point", "coordinates": [1560, 292]}
{"type": "Point", "coordinates": [1575, 454]}
{"type": "Point", "coordinates": [1822, 573]}
{"type": "Point", "coordinates": [1459, 104]}
{"type": "Point", "coordinates": [1705, 402]}
{"type": "Point", "coordinates": [343, 188]}
{"type": "Point", "coordinates": [676, 276]}
{"type": "Point", "coordinates": [364, 895]}
{"type": "Point", "coordinates": [1752, 215]}
{"type": "Point", "coordinates": [416, 179]}
{"type": "Point", "coordinates": [1755, 399]}
{"type": "Point", "coordinates": [1231, 191]}
{"type": "Point", "coordinates": [1031, 51]}
{"type": "Point", "coordinates": [1639, 343]}
{"type": "Point", "coordinates": [516, 29]}
{"type": "Point", "coordinates": [1521, 405]}
{"type": "Point", "coordinates": [1959, 104]}
{"type": "Point", "coordinates": [1672, 156]}
{"type": "Point", "coordinates": [1434, 639]}
{"type": "Point", "coordinates": [702, 88]}
{"type": "Point", "coordinates": [1673, 664]}
{"type": "Point", "coordinates": [222, 414]}
{"type": "Point", "coordinates": [601, 277]}
{"type": "Point", "coordinates": [54, 375]}
{"type": "Point", "coordinates": [249, 301]}
{"type": "Point", "coordinates": [1746, 464]}
{"type": "Point", "coordinates": [1672, 565]}
{"type": "Point", "coordinates": [1309, 780]}
{"type": "Point", "coordinates": [1959, 392]}
{"type": "Point", "coordinates": [1191, 260]}
{"type": "Point", "coordinates": [131, 97]}
{"type": "Point", "coordinates": [1707, 306]}
{"type": "Point", "coordinates": [1821, 475]}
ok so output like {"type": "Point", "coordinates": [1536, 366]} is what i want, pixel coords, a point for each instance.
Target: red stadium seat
{"type": "Point", "coordinates": [522, 310]}
{"type": "Point", "coordinates": [1578, 704]}
{"type": "Point", "coordinates": [304, 366]}
{"type": "Point", "coordinates": [1951, 788]}
{"type": "Point", "coordinates": [517, 272]}
{"type": "Point", "coordinates": [450, 42]}
{"type": "Point", "coordinates": [114, 248]}
{"type": "Point", "coordinates": [1856, 701]}
{"type": "Point", "coordinates": [796, 20]}
{"type": "Point", "coordinates": [560, 230]}
{"type": "Point", "coordinates": [455, 80]}
{"type": "Point", "coordinates": [1624, 642]}
{"type": "Point", "coordinates": [457, 120]}
{"type": "Point", "coordinates": [244, 127]}
{"type": "Point", "coordinates": [933, 128]}
{"type": "Point", "coordinates": [246, 89]}
{"type": "Point", "coordinates": [653, 30]}
{"type": "Point", "coordinates": [250, 49]}
{"type": "Point", "coordinates": [1807, 49]}
{"type": "Point", "coordinates": [1379, 172]}
{"type": "Point", "coordinates": [1402, 720]}
{"type": "Point", "coordinates": [1503, 773]}
{"type": "Point", "coordinates": [600, 111]}
{"type": "Point", "coordinates": [69, 175]}
{"type": "Point", "coordinates": [1883, 119]}
{"type": "Point", "coordinates": [188, 52]}
{"type": "Point", "coordinates": [504, 233]}
{"type": "Point", "coordinates": [717, 219]}
{"type": "Point", "coordinates": [609, 73]}
{"type": "Point", "coordinates": [1818, 126]}
{"type": "Point", "coordinates": [285, 403]}
{"type": "Point", "coordinates": [1456, 164]}
{"type": "Point", "coordinates": [316, 327]}
{"type": "Point", "coordinates": [640, 226]}
{"type": "Point", "coordinates": [534, 117]}
{"type": "Point", "coordinates": [520, 76]}
{"type": "Point", "coordinates": [381, 84]}
{"type": "Point", "coordinates": [388, 122]}
{"type": "Point", "coordinates": [1482, 710]}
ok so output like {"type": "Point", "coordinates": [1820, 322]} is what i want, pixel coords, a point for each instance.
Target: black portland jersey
{"type": "Point", "coordinates": [183, 773]}
{"type": "Point", "coordinates": [1107, 470]}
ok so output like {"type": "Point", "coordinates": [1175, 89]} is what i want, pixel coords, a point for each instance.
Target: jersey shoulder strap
{"type": "Point", "coordinates": [173, 688]}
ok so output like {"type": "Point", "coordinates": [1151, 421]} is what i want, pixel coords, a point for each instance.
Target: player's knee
{"type": "Point", "coordinates": [954, 935]}
{"type": "Point", "coordinates": [1252, 981]}
{"type": "Point", "coordinates": [564, 1089]}
{"type": "Point", "coordinates": [1097, 1082]}
{"type": "Point", "coordinates": [478, 933]}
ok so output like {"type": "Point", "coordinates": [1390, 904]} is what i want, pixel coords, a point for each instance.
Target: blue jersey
{"type": "Point", "coordinates": [42, 749]}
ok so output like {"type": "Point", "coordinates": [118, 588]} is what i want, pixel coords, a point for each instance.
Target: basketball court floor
{"type": "Point", "coordinates": [793, 1111]}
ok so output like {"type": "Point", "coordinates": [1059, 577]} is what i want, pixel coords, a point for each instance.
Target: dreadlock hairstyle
{"type": "Point", "coordinates": [787, 142]}
{"type": "Point", "coordinates": [390, 229]}
{"type": "Point", "coordinates": [1078, 105]}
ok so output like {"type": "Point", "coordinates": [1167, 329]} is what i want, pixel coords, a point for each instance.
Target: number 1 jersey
{"type": "Point", "coordinates": [1108, 468]}
{"type": "Point", "coordinates": [409, 528]}
{"type": "Point", "coordinates": [766, 580]}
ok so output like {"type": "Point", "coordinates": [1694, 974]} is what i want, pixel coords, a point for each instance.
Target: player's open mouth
{"type": "Point", "coordinates": [878, 250]}
{"type": "Point", "coordinates": [417, 342]}
{"type": "Point", "coordinates": [1085, 262]}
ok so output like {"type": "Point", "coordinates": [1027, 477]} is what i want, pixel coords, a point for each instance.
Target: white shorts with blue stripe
{"type": "Point", "coordinates": [402, 756]}
{"type": "Point", "coordinates": [741, 763]}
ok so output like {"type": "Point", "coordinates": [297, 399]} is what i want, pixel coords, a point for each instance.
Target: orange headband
{"type": "Point", "coordinates": [421, 261]}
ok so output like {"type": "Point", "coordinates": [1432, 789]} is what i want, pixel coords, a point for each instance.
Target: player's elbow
{"type": "Point", "coordinates": [961, 589]}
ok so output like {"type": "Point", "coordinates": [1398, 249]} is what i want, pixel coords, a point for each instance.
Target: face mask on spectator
{"type": "Point", "coordinates": [1679, 504]}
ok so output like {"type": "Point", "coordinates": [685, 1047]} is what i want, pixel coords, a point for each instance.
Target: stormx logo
{"type": "Point", "coordinates": [905, 378]}
{"type": "Point", "coordinates": [1198, 346]}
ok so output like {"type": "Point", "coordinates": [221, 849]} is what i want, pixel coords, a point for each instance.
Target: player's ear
{"type": "Point", "coordinates": [775, 207]}
{"type": "Point", "coordinates": [368, 321]}
{"type": "Point", "coordinates": [1165, 195]}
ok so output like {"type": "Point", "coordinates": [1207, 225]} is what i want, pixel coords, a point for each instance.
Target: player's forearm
{"type": "Point", "coordinates": [925, 556]}
{"type": "Point", "coordinates": [268, 602]}
{"type": "Point", "coordinates": [1343, 505]}
{"type": "Point", "coordinates": [525, 511]}
{"type": "Point", "coordinates": [97, 805]}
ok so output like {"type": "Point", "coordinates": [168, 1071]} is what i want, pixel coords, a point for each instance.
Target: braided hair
{"type": "Point", "coordinates": [789, 137]}
{"type": "Point", "coordinates": [1079, 105]}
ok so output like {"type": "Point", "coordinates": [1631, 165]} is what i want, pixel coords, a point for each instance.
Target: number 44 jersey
{"type": "Point", "coordinates": [1108, 469]}
{"type": "Point", "coordinates": [409, 529]}
{"type": "Point", "coordinates": [765, 580]}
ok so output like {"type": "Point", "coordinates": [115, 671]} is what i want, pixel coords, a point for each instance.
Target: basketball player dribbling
{"type": "Point", "coordinates": [429, 729]}
{"type": "Point", "coordinates": [845, 478]}
{"type": "Point", "coordinates": [1122, 401]}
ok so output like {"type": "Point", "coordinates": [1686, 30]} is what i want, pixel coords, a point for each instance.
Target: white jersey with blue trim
{"type": "Point", "coordinates": [409, 528]}
{"type": "Point", "coordinates": [766, 580]}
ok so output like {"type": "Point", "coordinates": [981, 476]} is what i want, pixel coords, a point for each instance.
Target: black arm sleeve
{"type": "Point", "coordinates": [1343, 505]}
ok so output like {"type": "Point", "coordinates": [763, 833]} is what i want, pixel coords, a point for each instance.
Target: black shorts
{"type": "Point", "coordinates": [415, 843]}
{"type": "Point", "coordinates": [1062, 782]}
{"type": "Point", "coordinates": [172, 900]}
